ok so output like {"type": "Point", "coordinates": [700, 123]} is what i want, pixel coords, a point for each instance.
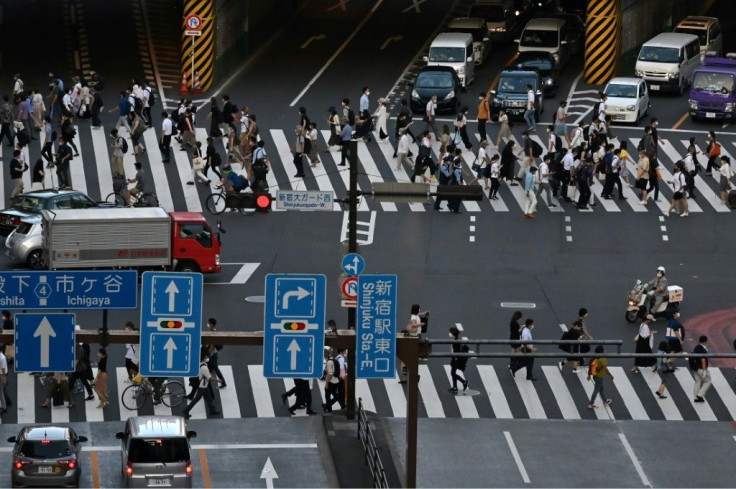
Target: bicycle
{"type": "Point", "coordinates": [171, 392]}
{"type": "Point", "coordinates": [216, 202]}
{"type": "Point", "coordinates": [120, 192]}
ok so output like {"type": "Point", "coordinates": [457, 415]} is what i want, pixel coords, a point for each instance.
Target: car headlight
{"type": "Point", "coordinates": [674, 74]}
{"type": "Point", "coordinates": [497, 101]}
{"type": "Point", "coordinates": [500, 29]}
{"type": "Point", "coordinates": [693, 104]}
{"type": "Point", "coordinates": [638, 73]}
{"type": "Point", "coordinates": [631, 107]}
{"type": "Point", "coordinates": [414, 94]}
{"type": "Point", "coordinates": [450, 95]}
{"type": "Point", "coordinates": [461, 70]}
{"type": "Point", "coordinates": [548, 81]}
{"type": "Point", "coordinates": [729, 107]}
{"type": "Point", "coordinates": [556, 56]}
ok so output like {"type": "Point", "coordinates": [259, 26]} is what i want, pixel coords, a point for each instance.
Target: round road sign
{"type": "Point", "coordinates": [350, 288]}
{"type": "Point", "coordinates": [193, 22]}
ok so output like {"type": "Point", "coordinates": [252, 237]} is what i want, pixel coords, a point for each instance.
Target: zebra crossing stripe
{"type": "Point", "coordinates": [343, 171]}
{"type": "Point", "coordinates": [494, 391]}
{"type": "Point", "coordinates": [702, 409]}
{"type": "Point", "coordinates": [76, 166]}
{"type": "Point", "coordinates": [667, 406]}
{"type": "Point", "coordinates": [402, 175]}
{"type": "Point", "coordinates": [396, 397]}
{"type": "Point", "coordinates": [465, 404]}
{"type": "Point", "coordinates": [363, 392]}
{"type": "Point", "coordinates": [26, 385]}
{"type": "Point", "coordinates": [725, 392]}
{"type": "Point", "coordinates": [627, 392]}
{"type": "Point", "coordinates": [158, 171]}
{"type": "Point", "coordinates": [91, 412]}
{"type": "Point", "coordinates": [602, 412]}
{"type": "Point", "coordinates": [121, 375]}
{"type": "Point", "coordinates": [261, 393]}
{"type": "Point", "coordinates": [561, 393]}
{"type": "Point", "coordinates": [287, 162]}
{"type": "Point", "coordinates": [184, 169]}
{"type": "Point", "coordinates": [102, 161]}
{"type": "Point", "coordinates": [228, 396]}
{"type": "Point", "coordinates": [428, 393]}
{"type": "Point", "coordinates": [529, 396]}
{"type": "Point", "coordinates": [371, 170]}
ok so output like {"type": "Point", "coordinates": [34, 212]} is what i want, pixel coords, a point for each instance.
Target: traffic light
{"type": "Point", "coordinates": [170, 324]}
{"type": "Point", "coordinates": [263, 202]}
{"type": "Point", "coordinates": [259, 201]}
{"type": "Point", "coordinates": [295, 326]}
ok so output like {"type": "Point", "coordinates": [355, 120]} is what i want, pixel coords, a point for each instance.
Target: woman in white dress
{"type": "Point", "coordinates": [381, 114]}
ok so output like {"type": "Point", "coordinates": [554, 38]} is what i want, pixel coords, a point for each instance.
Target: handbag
{"type": "Point", "coordinates": [667, 368]}
{"type": "Point", "coordinates": [197, 163]}
{"type": "Point", "coordinates": [571, 191]}
{"type": "Point", "coordinates": [636, 338]}
{"type": "Point", "coordinates": [601, 176]}
{"type": "Point", "coordinates": [476, 167]}
{"type": "Point", "coordinates": [659, 175]}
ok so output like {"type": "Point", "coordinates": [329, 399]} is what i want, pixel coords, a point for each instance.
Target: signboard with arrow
{"type": "Point", "coordinates": [37, 336]}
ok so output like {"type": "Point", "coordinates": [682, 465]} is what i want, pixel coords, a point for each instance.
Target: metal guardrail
{"type": "Point", "coordinates": [372, 458]}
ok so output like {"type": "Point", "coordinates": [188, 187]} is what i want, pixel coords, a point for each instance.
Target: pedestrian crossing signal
{"type": "Point", "coordinates": [263, 202]}
{"type": "Point", "coordinates": [170, 324]}
{"type": "Point", "coordinates": [295, 326]}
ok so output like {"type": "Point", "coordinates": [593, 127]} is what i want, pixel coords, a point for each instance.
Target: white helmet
{"type": "Point", "coordinates": [660, 269]}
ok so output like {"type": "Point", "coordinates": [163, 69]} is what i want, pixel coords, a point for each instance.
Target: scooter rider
{"type": "Point", "coordinates": [659, 284]}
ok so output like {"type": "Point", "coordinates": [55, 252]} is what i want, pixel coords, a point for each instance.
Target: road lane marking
{"type": "Point", "coordinates": [680, 120]}
{"type": "Point", "coordinates": [517, 457]}
{"type": "Point", "coordinates": [634, 460]}
{"type": "Point", "coordinates": [95, 470]}
{"type": "Point", "coordinates": [206, 481]}
{"type": "Point", "coordinates": [261, 392]}
{"type": "Point", "coordinates": [225, 446]}
{"type": "Point", "coordinates": [336, 53]}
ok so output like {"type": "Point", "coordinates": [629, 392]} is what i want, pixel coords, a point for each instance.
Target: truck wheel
{"type": "Point", "coordinates": [187, 267]}
{"type": "Point", "coordinates": [631, 316]}
{"type": "Point", "coordinates": [35, 260]}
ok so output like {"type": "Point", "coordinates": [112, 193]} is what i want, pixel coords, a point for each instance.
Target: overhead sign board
{"type": "Point", "coordinates": [294, 325]}
{"type": "Point", "coordinates": [304, 200]}
{"type": "Point", "coordinates": [171, 324]}
{"type": "Point", "coordinates": [376, 327]}
{"type": "Point", "coordinates": [89, 289]}
{"type": "Point", "coordinates": [44, 342]}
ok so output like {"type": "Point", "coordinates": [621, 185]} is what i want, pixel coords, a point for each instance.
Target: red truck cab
{"type": "Point", "coordinates": [194, 246]}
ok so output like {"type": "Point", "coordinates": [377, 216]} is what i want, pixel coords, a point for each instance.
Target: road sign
{"type": "Point", "coordinates": [193, 22]}
{"type": "Point", "coordinates": [294, 325]}
{"type": "Point", "coordinates": [376, 327]}
{"type": "Point", "coordinates": [192, 33]}
{"type": "Point", "coordinates": [44, 342]}
{"type": "Point", "coordinates": [304, 200]}
{"type": "Point", "coordinates": [171, 324]}
{"type": "Point", "coordinates": [111, 289]}
{"type": "Point", "coordinates": [350, 288]}
{"type": "Point", "coordinates": [348, 303]}
{"type": "Point", "coordinates": [353, 264]}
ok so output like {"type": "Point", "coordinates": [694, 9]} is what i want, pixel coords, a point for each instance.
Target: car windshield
{"type": "Point", "coordinates": [539, 39]}
{"type": "Point", "coordinates": [623, 91]}
{"type": "Point", "coordinates": [541, 62]}
{"type": "Point", "coordinates": [24, 228]}
{"type": "Point", "coordinates": [434, 80]}
{"type": "Point", "coordinates": [45, 449]}
{"type": "Point", "coordinates": [658, 54]}
{"type": "Point", "coordinates": [491, 13]}
{"type": "Point", "coordinates": [158, 450]}
{"type": "Point", "coordinates": [713, 82]}
{"type": "Point", "coordinates": [515, 84]}
{"type": "Point", "coordinates": [701, 33]}
{"type": "Point", "coordinates": [26, 203]}
{"type": "Point", "coordinates": [446, 55]}
{"type": "Point", "coordinates": [476, 32]}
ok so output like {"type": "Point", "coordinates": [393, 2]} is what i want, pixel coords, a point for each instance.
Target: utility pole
{"type": "Point", "coordinates": [352, 248]}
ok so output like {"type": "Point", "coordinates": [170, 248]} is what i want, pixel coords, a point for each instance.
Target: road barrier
{"type": "Point", "coordinates": [372, 457]}
{"type": "Point", "coordinates": [602, 41]}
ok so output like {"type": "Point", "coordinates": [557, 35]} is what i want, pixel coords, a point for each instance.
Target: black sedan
{"type": "Point", "coordinates": [545, 63]}
{"type": "Point", "coordinates": [46, 456]}
{"type": "Point", "coordinates": [436, 80]}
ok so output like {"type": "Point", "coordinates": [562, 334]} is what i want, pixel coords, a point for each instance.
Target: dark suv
{"type": "Point", "coordinates": [46, 456]}
{"type": "Point", "coordinates": [511, 96]}
{"type": "Point", "coordinates": [30, 203]}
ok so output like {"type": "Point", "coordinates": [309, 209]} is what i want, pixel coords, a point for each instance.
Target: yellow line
{"type": "Point", "coordinates": [95, 470]}
{"type": "Point", "coordinates": [679, 122]}
{"type": "Point", "coordinates": [494, 83]}
{"type": "Point", "coordinates": [207, 483]}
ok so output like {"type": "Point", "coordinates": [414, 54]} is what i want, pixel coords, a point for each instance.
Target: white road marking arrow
{"type": "Point", "coordinates": [293, 349]}
{"type": "Point", "coordinates": [390, 40]}
{"type": "Point", "coordinates": [45, 331]}
{"type": "Point", "coordinates": [318, 37]}
{"type": "Point", "coordinates": [172, 290]}
{"type": "Point", "coordinates": [300, 294]}
{"type": "Point", "coordinates": [170, 347]}
{"type": "Point", "coordinates": [269, 473]}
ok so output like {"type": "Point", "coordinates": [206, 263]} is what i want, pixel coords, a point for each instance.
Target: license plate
{"type": "Point", "coordinates": [159, 482]}
{"type": "Point", "coordinates": [710, 115]}
{"type": "Point", "coordinates": [654, 87]}
{"type": "Point", "coordinates": [45, 469]}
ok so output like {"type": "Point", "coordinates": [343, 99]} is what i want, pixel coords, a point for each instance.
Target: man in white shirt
{"type": "Point", "coordinates": [429, 116]}
{"type": "Point", "coordinates": [529, 113]}
{"type": "Point", "coordinates": [18, 87]}
{"type": "Point", "coordinates": [3, 381]}
{"type": "Point", "coordinates": [402, 150]}
{"type": "Point", "coordinates": [166, 130]}
{"type": "Point", "coordinates": [568, 165]}
{"type": "Point", "coordinates": [526, 347]}
{"type": "Point", "coordinates": [544, 174]}
{"type": "Point", "coordinates": [602, 106]}
{"type": "Point", "coordinates": [690, 171]}
{"type": "Point", "coordinates": [146, 113]}
{"type": "Point", "coordinates": [203, 390]}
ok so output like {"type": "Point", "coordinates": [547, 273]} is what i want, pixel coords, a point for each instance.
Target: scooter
{"type": "Point", "coordinates": [641, 299]}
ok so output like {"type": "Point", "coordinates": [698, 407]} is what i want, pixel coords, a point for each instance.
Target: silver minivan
{"type": "Point", "coordinates": [155, 452]}
{"type": "Point", "coordinates": [668, 61]}
{"type": "Point", "coordinates": [454, 49]}
{"type": "Point", "coordinates": [546, 34]}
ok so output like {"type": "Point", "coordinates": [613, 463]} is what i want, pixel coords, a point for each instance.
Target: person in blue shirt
{"type": "Point", "coordinates": [232, 181]}
{"type": "Point", "coordinates": [123, 110]}
{"type": "Point", "coordinates": [530, 208]}
{"type": "Point", "coordinates": [445, 178]}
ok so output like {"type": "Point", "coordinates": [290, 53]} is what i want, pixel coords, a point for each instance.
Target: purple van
{"type": "Point", "coordinates": [713, 92]}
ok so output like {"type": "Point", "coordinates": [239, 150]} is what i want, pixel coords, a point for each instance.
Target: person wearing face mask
{"type": "Point", "coordinates": [205, 377]}
{"type": "Point", "coordinates": [659, 284]}
{"type": "Point", "coordinates": [458, 364]}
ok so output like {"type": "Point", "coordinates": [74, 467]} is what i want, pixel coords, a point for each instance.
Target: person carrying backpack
{"type": "Point", "coordinates": [597, 370]}
{"type": "Point", "coordinates": [699, 366]}
{"type": "Point", "coordinates": [458, 363]}
{"type": "Point", "coordinates": [335, 373]}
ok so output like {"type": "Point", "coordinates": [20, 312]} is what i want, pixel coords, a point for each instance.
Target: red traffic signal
{"type": "Point", "coordinates": [295, 326]}
{"type": "Point", "coordinates": [263, 202]}
{"type": "Point", "coordinates": [171, 324]}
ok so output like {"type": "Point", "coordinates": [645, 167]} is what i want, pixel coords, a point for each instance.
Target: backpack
{"type": "Point", "coordinates": [536, 148]}
{"type": "Point", "coordinates": [593, 368]}
{"type": "Point", "coordinates": [640, 146]}
{"type": "Point", "coordinates": [307, 145]}
{"type": "Point", "coordinates": [151, 97]}
{"type": "Point", "coordinates": [558, 143]}
{"type": "Point", "coordinates": [54, 135]}
{"type": "Point", "coordinates": [695, 363]}
{"type": "Point", "coordinates": [124, 146]}
{"type": "Point", "coordinates": [596, 110]}
{"type": "Point", "coordinates": [351, 117]}
{"type": "Point", "coordinates": [339, 371]}
{"type": "Point", "coordinates": [462, 362]}
{"type": "Point", "coordinates": [243, 182]}
{"type": "Point", "coordinates": [137, 105]}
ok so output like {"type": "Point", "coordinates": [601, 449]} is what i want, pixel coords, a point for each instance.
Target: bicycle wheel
{"type": "Point", "coordinates": [148, 200]}
{"type": "Point", "coordinates": [215, 203]}
{"type": "Point", "coordinates": [173, 393]}
{"type": "Point", "coordinates": [116, 199]}
{"type": "Point", "coordinates": [134, 396]}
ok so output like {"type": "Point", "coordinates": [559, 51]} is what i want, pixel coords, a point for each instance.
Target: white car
{"type": "Point", "coordinates": [628, 99]}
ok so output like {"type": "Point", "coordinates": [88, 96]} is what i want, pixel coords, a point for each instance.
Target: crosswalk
{"type": "Point", "coordinates": [493, 393]}
{"type": "Point", "coordinates": [91, 173]}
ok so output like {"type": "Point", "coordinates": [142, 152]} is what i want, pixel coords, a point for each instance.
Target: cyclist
{"type": "Point", "coordinates": [140, 187]}
{"type": "Point", "coordinates": [232, 181]}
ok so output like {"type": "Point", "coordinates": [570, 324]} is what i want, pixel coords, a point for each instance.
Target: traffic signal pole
{"type": "Point", "coordinates": [352, 248]}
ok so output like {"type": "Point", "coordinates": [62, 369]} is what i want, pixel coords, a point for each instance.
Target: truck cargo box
{"type": "Point", "coordinates": [124, 237]}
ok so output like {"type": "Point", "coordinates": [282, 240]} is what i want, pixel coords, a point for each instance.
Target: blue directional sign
{"type": "Point", "coordinates": [294, 325]}
{"type": "Point", "coordinates": [110, 289]}
{"type": "Point", "coordinates": [376, 327]}
{"type": "Point", "coordinates": [44, 342]}
{"type": "Point", "coordinates": [171, 324]}
{"type": "Point", "coordinates": [353, 264]}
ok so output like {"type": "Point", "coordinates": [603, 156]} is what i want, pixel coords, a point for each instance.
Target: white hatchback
{"type": "Point", "coordinates": [628, 99]}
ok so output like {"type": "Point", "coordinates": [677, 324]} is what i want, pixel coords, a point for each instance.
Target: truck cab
{"type": "Point", "coordinates": [194, 247]}
{"type": "Point", "coordinates": [713, 93]}
{"type": "Point", "coordinates": [510, 94]}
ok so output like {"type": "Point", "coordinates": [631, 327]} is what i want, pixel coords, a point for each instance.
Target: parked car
{"type": "Point", "coordinates": [435, 80]}
{"type": "Point", "coordinates": [46, 456]}
{"type": "Point", "coordinates": [502, 18]}
{"type": "Point", "coordinates": [477, 28]}
{"type": "Point", "coordinates": [708, 30]}
{"type": "Point", "coordinates": [628, 99]}
{"type": "Point", "coordinates": [547, 66]}
{"type": "Point", "coordinates": [511, 96]}
{"type": "Point", "coordinates": [31, 203]}
{"type": "Point", "coordinates": [25, 243]}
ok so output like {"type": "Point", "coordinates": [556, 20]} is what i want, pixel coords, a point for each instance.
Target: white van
{"type": "Point", "coordinates": [477, 28]}
{"type": "Point", "coordinates": [453, 49]}
{"type": "Point", "coordinates": [708, 30]}
{"type": "Point", "coordinates": [546, 34]}
{"type": "Point", "coordinates": [668, 61]}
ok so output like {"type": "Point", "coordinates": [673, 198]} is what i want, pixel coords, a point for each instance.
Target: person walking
{"type": "Point", "coordinates": [402, 151]}
{"type": "Point", "coordinates": [212, 158]}
{"type": "Point", "coordinates": [713, 150]}
{"type": "Point", "coordinates": [333, 372]}
{"type": "Point", "coordinates": [484, 113]}
{"type": "Point", "coordinates": [530, 207]}
{"type": "Point", "coordinates": [214, 352]}
{"type": "Point", "coordinates": [678, 189]}
{"type": "Point", "coordinates": [726, 174]}
{"type": "Point", "coordinates": [3, 382]}
{"type": "Point", "coordinates": [299, 152]}
{"type": "Point", "coordinates": [312, 137]}
{"type": "Point", "coordinates": [665, 368]}
{"type": "Point", "coordinates": [699, 366]}
{"type": "Point", "coordinates": [461, 127]}
{"type": "Point", "coordinates": [572, 334]}
{"type": "Point", "coordinates": [526, 347]}
{"type": "Point", "coordinates": [429, 115]}
{"type": "Point", "coordinates": [122, 110]}
{"type": "Point", "coordinates": [17, 167]}
{"type": "Point", "coordinates": [136, 136]}
{"type": "Point", "coordinates": [458, 363]}
{"type": "Point", "coordinates": [59, 381]}
{"type": "Point", "coordinates": [643, 346]}
{"type": "Point", "coordinates": [215, 118]}
{"type": "Point", "coordinates": [303, 391]}
{"type": "Point", "coordinates": [381, 115]}
{"type": "Point", "coordinates": [100, 381]}
{"type": "Point", "coordinates": [69, 132]}
{"type": "Point", "coordinates": [508, 162]}
{"type": "Point", "coordinates": [642, 176]}
{"type": "Point", "coordinates": [495, 173]}
{"type": "Point", "coordinates": [6, 121]}
{"type": "Point", "coordinates": [543, 177]}
{"type": "Point", "coordinates": [131, 353]}
{"type": "Point", "coordinates": [583, 176]}
{"type": "Point", "coordinates": [167, 127]}
{"type": "Point", "coordinates": [597, 370]}
{"type": "Point", "coordinates": [529, 113]}
{"type": "Point", "coordinates": [203, 389]}
{"type": "Point", "coordinates": [346, 135]}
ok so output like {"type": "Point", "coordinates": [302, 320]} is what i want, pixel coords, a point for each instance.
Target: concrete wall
{"type": "Point", "coordinates": [643, 19]}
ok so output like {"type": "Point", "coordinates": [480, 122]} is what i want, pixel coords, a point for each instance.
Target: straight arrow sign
{"type": "Point", "coordinates": [294, 350]}
{"type": "Point", "coordinates": [269, 473]}
{"type": "Point", "coordinates": [172, 290]}
{"type": "Point", "coordinates": [44, 331]}
{"type": "Point", "coordinates": [170, 348]}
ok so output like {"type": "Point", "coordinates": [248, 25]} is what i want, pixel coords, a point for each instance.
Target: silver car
{"type": "Point", "coordinates": [25, 243]}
